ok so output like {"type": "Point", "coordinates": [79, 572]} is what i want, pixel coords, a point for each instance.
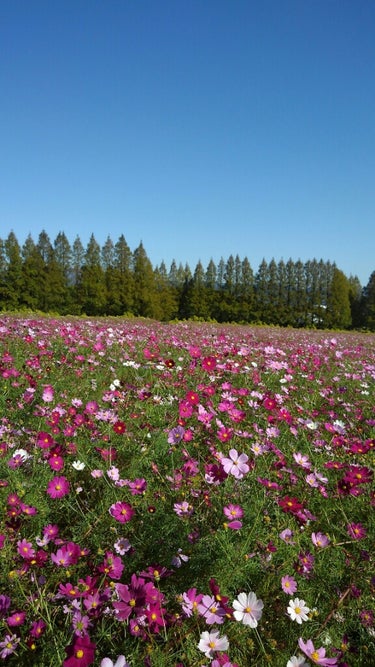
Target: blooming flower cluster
{"type": "Point", "coordinates": [169, 491]}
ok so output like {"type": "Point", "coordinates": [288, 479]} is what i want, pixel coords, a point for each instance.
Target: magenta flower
{"type": "Point", "coordinates": [121, 511]}
{"type": "Point", "coordinates": [25, 549]}
{"type": "Point", "coordinates": [289, 585]}
{"type": "Point", "coordinates": [190, 601]}
{"type": "Point", "coordinates": [80, 653]}
{"type": "Point", "coordinates": [58, 487]}
{"type": "Point", "coordinates": [233, 511]}
{"type": "Point", "coordinates": [18, 618]}
{"type": "Point", "coordinates": [236, 464]}
{"type": "Point", "coordinates": [317, 655]}
{"type": "Point", "coordinates": [356, 531]}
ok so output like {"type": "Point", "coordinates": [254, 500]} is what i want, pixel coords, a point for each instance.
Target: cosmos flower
{"type": "Point", "coordinates": [248, 609]}
{"type": "Point", "coordinates": [235, 464]}
{"type": "Point", "coordinates": [298, 610]}
{"type": "Point", "coordinates": [211, 641]}
{"type": "Point", "coordinates": [317, 655]}
{"type": "Point", "coordinates": [58, 487]}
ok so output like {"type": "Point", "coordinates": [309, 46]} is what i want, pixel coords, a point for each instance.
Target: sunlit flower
{"type": "Point", "coordinates": [121, 511]}
{"type": "Point", "coordinates": [297, 661]}
{"type": "Point", "coordinates": [78, 465]}
{"type": "Point", "coordinates": [235, 464]}
{"type": "Point", "coordinates": [317, 655]}
{"type": "Point", "coordinates": [288, 584]}
{"type": "Point", "coordinates": [320, 540]}
{"type": "Point", "coordinates": [211, 610]}
{"type": "Point", "coordinates": [120, 662]}
{"type": "Point", "coordinates": [248, 609]}
{"type": "Point", "coordinates": [58, 487]}
{"type": "Point", "coordinates": [298, 610]}
{"type": "Point", "coordinates": [211, 641]}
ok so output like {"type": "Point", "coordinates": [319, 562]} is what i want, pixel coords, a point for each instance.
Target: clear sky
{"type": "Point", "coordinates": [203, 128]}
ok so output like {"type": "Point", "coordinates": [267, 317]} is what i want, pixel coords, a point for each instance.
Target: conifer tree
{"type": "Point", "coordinates": [146, 303]}
{"type": "Point", "coordinates": [369, 303]}
{"type": "Point", "coordinates": [13, 273]}
{"type": "Point", "coordinates": [123, 279]}
{"type": "Point", "coordinates": [338, 306]}
{"type": "Point", "coordinates": [93, 280]}
{"type": "Point", "coordinates": [33, 277]}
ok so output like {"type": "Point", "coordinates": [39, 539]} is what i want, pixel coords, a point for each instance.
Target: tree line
{"type": "Point", "coordinates": [70, 279]}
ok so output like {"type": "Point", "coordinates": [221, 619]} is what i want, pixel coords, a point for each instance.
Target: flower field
{"type": "Point", "coordinates": [185, 495]}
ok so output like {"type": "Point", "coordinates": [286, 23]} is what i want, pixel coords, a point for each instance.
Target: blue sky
{"type": "Point", "coordinates": [203, 128]}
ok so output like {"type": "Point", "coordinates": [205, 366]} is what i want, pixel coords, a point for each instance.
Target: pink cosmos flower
{"type": "Point", "coordinates": [9, 645]}
{"type": "Point", "coordinates": [121, 511]}
{"type": "Point", "coordinates": [44, 440]}
{"type": "Point", "coordinates": [356, 531]}
{"type": "Point", "coordinates": [48, 393]}
{"type": "Point", "coordinates": [120, 662]}
{"type": "Point", "coordinates": [183, 509]}
{"type": "Point", "coordinates": [211, 610]}
{"type": "Point", "coordinates": [18, 618]}
{"type": "Point", "coordinates": [320, 540]}
{"type": "Point", "coordinates": [58, 487]}
{"type": "Point", "coordinates": [317, 655]}
{"type": "Point", "coordinates": [25, 549]}
{"type": "Point", "coordinates": [236, 464]}
{"type": "Point", "coordinates": [190, 601]}
{"type": "Point", "coordinates": [289, 585]}
{"type": "Point", "coordinates": [233, 511]}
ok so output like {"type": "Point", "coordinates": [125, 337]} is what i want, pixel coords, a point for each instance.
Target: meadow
{"type": "Point", "coordinates": [185, 495]}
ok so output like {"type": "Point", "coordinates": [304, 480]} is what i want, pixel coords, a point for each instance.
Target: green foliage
{"type": "Point", "coordinates": [113, 280]}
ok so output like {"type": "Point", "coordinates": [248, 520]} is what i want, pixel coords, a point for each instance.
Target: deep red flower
{"type": "Point", "coordinates": [119, 427]}
{"type": "Point", "coordinates": [289, 504]}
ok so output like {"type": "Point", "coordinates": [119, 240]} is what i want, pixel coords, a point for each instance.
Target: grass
{"type": "Point", "coordinates": [145, 414]}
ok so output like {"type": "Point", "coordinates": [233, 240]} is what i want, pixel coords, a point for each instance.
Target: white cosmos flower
{"type": "Point", "coordinates": [78, 465]}
{"type": "Point", "coordinates": [297, 661]}
{"type": "Point", "coordinates": [211, 641]}
{"type": "Point", "coordinates": [248, 609]}
{"type": "Point", "coordinates": [298, 610]}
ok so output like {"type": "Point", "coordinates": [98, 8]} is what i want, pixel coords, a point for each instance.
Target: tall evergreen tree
{"type": "Point", "coordinates": [261, 292]}
{"type": "Point", "coordinates": [355, 298]}
{"type": "Point", "coordinates": [146, 301]}
{"type": "Point", "coordinates": [123, 285]}
{"type": "Point", "coordinates": [369, 303]}
{"type": "Point", "coordinates": [167, 295]}
{"type": "Point", "coordinates": [63, 260]}
{"type": "Point", "coordinates": [13, 273]}
{"type": "Point", "coordinates": [338, 306]}
{"type": "Point", "coordinates": [246, 292]}
{"type": "Point", "coordinates": [33, 276]}
{"type": "Point", "coordinates": [93, 280]}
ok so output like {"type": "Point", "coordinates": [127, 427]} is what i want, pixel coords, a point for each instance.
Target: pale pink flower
{"type": "Point", "coordinates": [248, 609]}
{"type": "Point", "coordinates": [236, 464]}
{"type": "Point", "coordinates": [211, 641]}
